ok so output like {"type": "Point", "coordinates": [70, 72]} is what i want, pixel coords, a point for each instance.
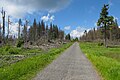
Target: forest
{"type": "Point", "coordinates": [46, 49]}
{"type": "Point", "coordinates": [107, 32]}
{"type": "Point", "coordinates": [36, 35]}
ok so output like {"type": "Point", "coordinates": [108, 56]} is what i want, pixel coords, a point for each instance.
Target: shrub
{"type": "Point", "coordinates": [13, 51]}
{"type": "Point", "coordinates": [100, 44]}
{"type": "Point", "coordinates": [27, 68]}
{"type": "Point", "coordinates": [20, 42]}
{"type": "Point", "coordinates": [104, 59]}
{"type": "Point", "coordinates": [7, 47]}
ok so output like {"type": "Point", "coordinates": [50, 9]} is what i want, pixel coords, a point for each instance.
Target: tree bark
{"type": "Point", "coordinates": [105, 37]}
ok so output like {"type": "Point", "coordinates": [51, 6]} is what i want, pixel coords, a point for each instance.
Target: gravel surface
{"type": "Point", "coordinates": [71, 65]}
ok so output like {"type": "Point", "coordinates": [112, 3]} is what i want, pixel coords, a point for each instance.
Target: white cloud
{"type": "Point", "coordinates": [18, 8]}
{"type": "Point", "coordinates": [14, 29]}
{"type": "Point", "coordinates": [52, 18]}
{"type": "Point", "coordinates": [48, 18]}
{"type": "Point", "coordinates": [75, 33]}
{"type": "Point", "coordinates": [45, 18]}
{"type": "Point", "coordinates": [79, 31]}
{"type": "Point", "coordinates": [119, 26]}
{"type": "Point", "coordinates": [67, 27]}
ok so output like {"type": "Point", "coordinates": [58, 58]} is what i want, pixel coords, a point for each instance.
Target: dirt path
{"type": "Point", "coordinates": [71, 65]}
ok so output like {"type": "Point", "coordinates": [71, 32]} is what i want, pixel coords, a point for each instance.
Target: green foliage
{"type": "Point", "coordinates": [100, 44]}
{"type": "Point", "coordinates": [25, 33]}
{"type": "Point", "coordinates": [76, 39]}
{"type": "Point", "coordinates": [27, 68]}
{"type": "Point", "coordinates": [39, 30]}
{"type": "Point", "coordinates": [53, 32]}
{"type": "Point", "coordinates": [20, 43]}
{"type": "Point", "coordinates": [20, 23]}
{"type": "Point", "coordinates": [9, 50]}
{"type": "Point", "coordinates": [106, 60]}
{"type": "Point", "coordinates": [68, 37]}
{"type": "Point", "coordinates": [7, 47]}
{"type": "Point", "coordinates": [105, 21]}
{"type": "Point", "coordinates": [14, 51]}
{"type": "Point", "coordinates": [10, 55]}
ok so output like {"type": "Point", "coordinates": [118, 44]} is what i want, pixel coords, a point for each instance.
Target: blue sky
{"type": "Point", "coordinates": [72, 16]}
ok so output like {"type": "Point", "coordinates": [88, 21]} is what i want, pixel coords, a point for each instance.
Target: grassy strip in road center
{"type": "Point", "coordinates": [28, 68]}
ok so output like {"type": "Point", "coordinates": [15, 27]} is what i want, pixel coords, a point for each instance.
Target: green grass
{"type": "Point", "coordinates": [10, 50]}
{"type": "Point", "coordinates": [106, 60]}
{"type": "Point", "coordinates": [28, 68]}
{"type": "Point", "coordinates": [10, 55]}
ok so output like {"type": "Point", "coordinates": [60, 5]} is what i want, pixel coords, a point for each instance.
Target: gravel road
{"type": "Point", "coordinates": [71, 65]}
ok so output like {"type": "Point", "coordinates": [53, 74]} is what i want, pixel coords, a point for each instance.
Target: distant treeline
{"type": "Point", "coordinates": [108, 29]}
{"type": "Point", "coordinates": [36, 31]}
{"type": "Point", "coordinates": [40, 30]}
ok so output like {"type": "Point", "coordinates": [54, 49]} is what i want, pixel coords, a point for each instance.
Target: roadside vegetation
{"type": "Point", "coordinates": [10, 55]}
{"type": "Point", "coordinates": [28, 67]}
{"type": "Point", "coordinates": [106, 60]}
{"type": "Point", "coordinates": [31, 49]}
{"type": "Point", "coordinates": [107, 31]}
{"type": "Point", "coordinates": [102, 45]}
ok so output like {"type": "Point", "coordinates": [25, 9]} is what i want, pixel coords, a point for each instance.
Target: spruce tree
{"type": "Point", "coordinates": [19, 25]}
{"type": "Point", "coordinates": [105, 21]}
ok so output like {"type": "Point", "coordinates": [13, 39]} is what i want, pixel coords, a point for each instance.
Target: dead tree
{"type": "Point", "coordinates": [26, 35]}
{"type": "Point", "coordinates": [0, 34]}
{"type": "Point", "coordinates": [8, 27]}
{"type": "Point", "coordinates": [3, 17]}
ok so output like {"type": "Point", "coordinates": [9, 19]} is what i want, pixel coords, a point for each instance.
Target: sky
{"type": "Point", "coordinates": [72, 16]}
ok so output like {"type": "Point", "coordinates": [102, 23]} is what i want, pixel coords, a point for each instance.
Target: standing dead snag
{"type": "Point", "coordinates": [8, 26]}
{"type": "Point", "coordinates": [0, 34]}
{"type": "Point", "coordinates": [25, 31]}
{"type": "Point", "coordinates": [19, 25]}
{"type": "Point", "coordinates": [3, 17]}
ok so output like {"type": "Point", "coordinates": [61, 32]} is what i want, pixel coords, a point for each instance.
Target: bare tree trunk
{"type": "Point", "coordinates": [110, 35]}
{"type": "Point", "coordinates": [19, 31]}
{"type": "Point", "coordinates": [3, 16]}
{"type": "Point", "coordinates": [105, 37]}
{"type": "Point", "coordinates": [8, 26]}
{"type": "Point", "coordinates": [0, 34]}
